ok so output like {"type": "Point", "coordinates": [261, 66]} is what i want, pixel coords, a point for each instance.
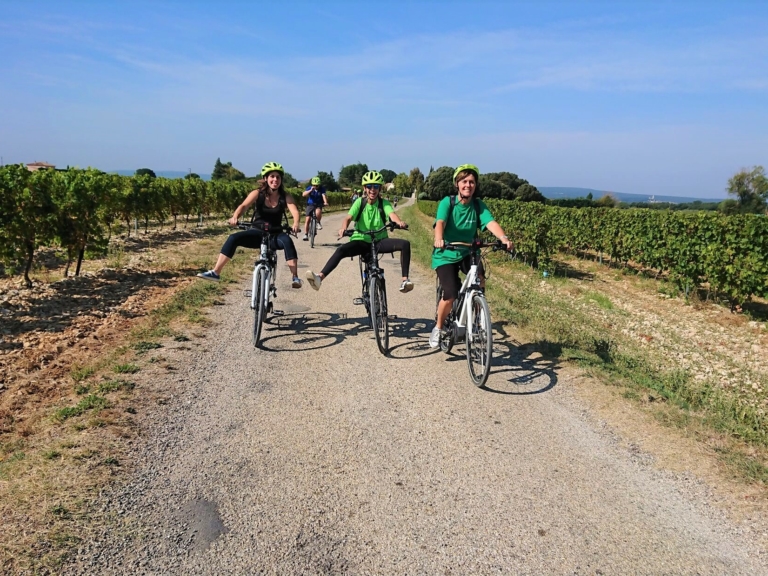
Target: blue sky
{"type": "Point", "coordinates": [646, 97]}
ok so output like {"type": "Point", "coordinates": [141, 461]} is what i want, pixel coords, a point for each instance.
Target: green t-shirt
{"type": "Point", "coordinates": [370, 219]}
{"type": "Point", "coordinates": [460, 227]}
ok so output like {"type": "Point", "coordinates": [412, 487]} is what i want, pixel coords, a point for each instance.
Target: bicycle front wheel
{"type": "Point", "coordinates": [262, 296]}
{"type": "Point", "coordinates": [312, 231]}
{"type": "Point", "coordinates": [379, 320]}
{"type": "Point", "coordinates": [479, 342]}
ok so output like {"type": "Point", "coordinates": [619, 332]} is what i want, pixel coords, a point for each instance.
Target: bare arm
{"type": "Point", "coordinates": [249, 200]}
{"type": "Point", "coordinates": [497, 231]}
{"type": "Point", "coordinates": [396, 219]}
{"type": "Point", "coordinates": [439, 230]}
{"type": "Point", "coordinates": [345, 225]}
{"type": "Point", "coordinates": [293, 210]}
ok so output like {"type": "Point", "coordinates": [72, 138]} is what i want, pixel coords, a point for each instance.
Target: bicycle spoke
{"type": "Point", "coordinates": [379, 320]}
{"type": "Point", "coordinates": [480, 343]}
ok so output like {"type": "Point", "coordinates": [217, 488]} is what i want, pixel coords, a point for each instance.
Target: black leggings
{"type": "Point", "coordinates": [252, 239]}
{"type": "Point", "coordinates": [449, 276]}
{"type": "Point", "coordinates": [360, 247]}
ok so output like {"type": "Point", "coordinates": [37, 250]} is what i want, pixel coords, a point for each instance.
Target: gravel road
{"type": "Point", "coordinates": [318, 455]}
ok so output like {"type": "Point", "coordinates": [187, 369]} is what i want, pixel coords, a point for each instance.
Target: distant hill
{"type": "Point", "coordinates": [569, 192]}
{"type": "Point", "coordinates": [160, 173]}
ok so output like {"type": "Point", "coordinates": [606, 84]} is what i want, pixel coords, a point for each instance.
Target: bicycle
{"type": "Point", "coordinates": [469, 320]}
{"type": "Point", "coordinates": [374, 295]}
{"type": "Point", "coordinates": [263, 287]}
{"type": "Point", "coordinates": [312, 227]}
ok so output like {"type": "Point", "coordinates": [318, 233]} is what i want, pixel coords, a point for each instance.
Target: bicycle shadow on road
{"type": "Point", "coordinates": [415, 332]}
{"type": "Point", "coordinates": [524, 370]}
{"type": "Point", "coordinates": [531, 371]}
{"type": "Point", "coordinates": [301, 331]}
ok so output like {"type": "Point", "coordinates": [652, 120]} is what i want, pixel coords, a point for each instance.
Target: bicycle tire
{"type": "Point", "coordinates": [379, 320]}
{"type": "Point", "coordinates": [480, 344]}
{"type": "Point", "coordinates": [312, 230]}
{"type": "Point", "coordinates": [262, 296]}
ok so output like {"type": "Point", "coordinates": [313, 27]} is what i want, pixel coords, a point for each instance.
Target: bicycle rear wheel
{"type": "Point", "coordinates": [260, 311]}
{"type": "Point", "coordinates": [312, 230]}
{"type": "Point", "coordinates": [480, 343]}
{"type": "Point", "coordinates": [379, 320]}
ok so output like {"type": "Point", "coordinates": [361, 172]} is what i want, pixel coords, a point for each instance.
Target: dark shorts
{"type": "Point", "coordinates": [311, 207]}
{"type": "Point", "coordinates": [449, 276]}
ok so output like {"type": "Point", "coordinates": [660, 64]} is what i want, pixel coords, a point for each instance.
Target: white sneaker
{"type": "Point", "coordinates": [314, 280]}
{"type": "Point", "coordinates": [296, 283]}
{"type": "Point", "coordinates": [319, 226]}
{"type": "Point", "coordinates": [406, 286]}
{"type": "Point", "coordinates": [434, 338]}
{"type": "Point", "coordinates": [305, 237]}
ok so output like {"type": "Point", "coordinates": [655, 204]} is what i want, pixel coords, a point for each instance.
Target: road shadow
{"type": "Point", "coordinates": [302, 331]}
{"type": "Point", "coordinates": [524, 369]}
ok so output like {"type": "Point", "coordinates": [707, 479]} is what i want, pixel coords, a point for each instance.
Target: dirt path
{"type": "Point", "coordinates": [318, 455]}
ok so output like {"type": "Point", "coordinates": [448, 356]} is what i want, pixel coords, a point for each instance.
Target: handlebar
{"type": "Point", "coordinates": [266, 228]}
{"type": "Point", "coordinates": [476, 245]}
{"type": "Point", "coordinates": [389, 225]}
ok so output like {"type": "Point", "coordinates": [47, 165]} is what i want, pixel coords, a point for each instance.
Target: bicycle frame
{"type": "Point", "coordinates": [462, 307]}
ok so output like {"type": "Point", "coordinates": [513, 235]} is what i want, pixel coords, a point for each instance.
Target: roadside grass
{"type": "Point", "coordinates": [52, 467]}
{"type": "Point", "coordinates": [577, 326]}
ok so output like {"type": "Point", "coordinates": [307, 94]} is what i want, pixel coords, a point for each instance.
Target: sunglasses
{"type": "Point", "coordinates": [372, 186]}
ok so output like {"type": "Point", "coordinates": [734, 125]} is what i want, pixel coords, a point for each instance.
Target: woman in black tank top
{"type": "Point", "coordinates": [270, 202]}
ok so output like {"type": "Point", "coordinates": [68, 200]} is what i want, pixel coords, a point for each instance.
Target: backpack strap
{"type": "Point", "coordinates": [454, 199]}
{"type": "Point", "coordinates": [364, 203]}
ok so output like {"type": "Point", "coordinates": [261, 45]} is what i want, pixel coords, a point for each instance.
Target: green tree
{"type": "Point", "coordinates": [191, 175]}
{"type": "Point", "coordinates": [416, 181]}
{"type": "Point", "coordinates": [529, 193]}
{"type": "Point", "coordinates": [78, 196]}
{"type": "Point", "coordinates": [510, 180]}
{"type": "Point", "coordinates": [388, 175]}
{"type": "Point", "coordinates": [219, 170]}
{"type": "Point", "coordinates": [289, 181]}
{"type": "Point", "coordinates": [729, 207]}
{"type": "Point", "coordinates": [328, 181]}
{"type": "Point", "coordinates": [145, 172]}
{"type": "Point", "coordinates": [352, 175]}
{"type": "Point", "coordinates": [750, 188]}
{"type": "Point", "coordinates": [28, 214]}
{"type": "Point", "coordinates": [402, 184]}
{"type": "Point", "coordinates": [439, 183]}
{"type": "Point", "coordinates": [606, 201]}
{"type": "Point", "coordinates": [490, 188]}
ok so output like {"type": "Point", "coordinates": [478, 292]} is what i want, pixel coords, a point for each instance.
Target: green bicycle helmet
{"type": "Point", "coordinates": [272, 167]}
{"type": "Point", "coordinates": [463, 167]}
{"type": "Point", "coordinates": [315, 181]}
{"type": "Point", "coordinates": [372, 177]}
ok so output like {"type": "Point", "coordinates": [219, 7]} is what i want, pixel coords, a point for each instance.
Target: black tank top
{"type": "Point", "coordinates": [272, 216]}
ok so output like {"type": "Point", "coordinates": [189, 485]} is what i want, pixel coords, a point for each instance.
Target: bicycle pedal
{"type": "Point", "coordinates": [278, 313]}
{"type": "Point", "coordinates": [247, 293]}
{"type": "Point", "coordinates": [358, 301]}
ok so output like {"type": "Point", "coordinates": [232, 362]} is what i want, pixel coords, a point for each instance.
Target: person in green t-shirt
{"type": "Point", "coordinates": [371, 218]}
{"type": "Point", "coordinates": [459, 224]}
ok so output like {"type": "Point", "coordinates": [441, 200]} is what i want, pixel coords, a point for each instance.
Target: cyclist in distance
{"type": "Point", "coordinates": [270, 201]}
{"type": "Point", "coordinates": [370, 212]}
{"type": "Point", "coordinates": [316, 199]}
{"type": "Point", "coordinates": [459, 223]}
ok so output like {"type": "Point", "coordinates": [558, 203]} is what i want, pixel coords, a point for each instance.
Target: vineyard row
{"type": "Point", "coordinates": [76, 209]}
{"type": "Point", "coordinates": [727, 255]}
